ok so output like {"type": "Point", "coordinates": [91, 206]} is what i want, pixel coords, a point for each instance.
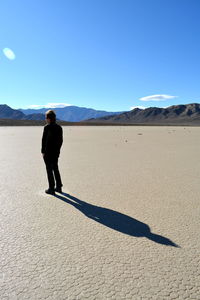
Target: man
{"type": "Point", "coordinates": [52, 140]}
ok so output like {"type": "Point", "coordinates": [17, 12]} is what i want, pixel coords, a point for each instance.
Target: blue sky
{"type": "Point", "coordinates": [103, 54]}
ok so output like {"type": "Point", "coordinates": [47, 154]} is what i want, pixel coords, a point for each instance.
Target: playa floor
{"type": "Point", "coordinates": [126, 226]}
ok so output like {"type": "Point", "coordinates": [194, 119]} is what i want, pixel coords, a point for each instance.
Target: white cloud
{"type": "Point", "coordinates": [157, 98]}
{"type": "Point", "coordinates": [49, 105]}
{"type": "Point", "coordinates": [141, 107]}
{"type": "Point", "coordinates": [9, 53]}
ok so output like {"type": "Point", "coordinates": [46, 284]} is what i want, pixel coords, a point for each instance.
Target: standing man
{"type": "Point", "coordinates": [52, 140]}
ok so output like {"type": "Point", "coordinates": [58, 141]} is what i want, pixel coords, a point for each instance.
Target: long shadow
{"type": "Point", "coordinates": [115, 220]}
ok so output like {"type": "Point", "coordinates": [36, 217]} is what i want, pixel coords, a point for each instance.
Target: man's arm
{"type": "Point", "coordinates": [60, 141]}
{"type": "Point", "coordinates": [44, 138]}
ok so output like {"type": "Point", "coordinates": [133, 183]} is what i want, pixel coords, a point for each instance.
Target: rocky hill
{"type": "Point", "coordinates": [176, 114]}
{"type": "Point", "coordinates": [7, 112]}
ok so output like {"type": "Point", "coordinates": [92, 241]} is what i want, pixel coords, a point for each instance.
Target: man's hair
{"type": "Point", "coordinates": [50, 114]}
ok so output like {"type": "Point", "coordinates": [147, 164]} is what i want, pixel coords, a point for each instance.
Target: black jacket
{"type": "Point", "coordinates": [52, 139]}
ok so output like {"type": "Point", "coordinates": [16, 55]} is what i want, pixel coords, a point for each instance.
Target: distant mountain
{"type": "Point", "coordinates": [188, 114]}
{"type": "Point", "coordinates": [34, 117]}
{"type": "Point", "coordinates": [176, 114]}
{"type": "Point", "coordinates": [7, 112]}
{"type": "Point", "coordinates": [72, 113]}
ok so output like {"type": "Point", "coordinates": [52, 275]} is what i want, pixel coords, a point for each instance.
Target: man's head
{"type": "Point", "coordinates": [50, 116]}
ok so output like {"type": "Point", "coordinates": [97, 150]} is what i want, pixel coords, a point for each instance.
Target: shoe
{"type": "Point", "coordinates": [58, 190]}
{"type": "Point", "coordinates": [50, 191]}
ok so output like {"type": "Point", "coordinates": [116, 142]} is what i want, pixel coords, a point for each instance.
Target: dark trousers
{"type": "Point", "coordinates": [52, 171]}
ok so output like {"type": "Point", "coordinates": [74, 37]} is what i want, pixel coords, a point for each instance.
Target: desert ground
{"type": "Point", "coordinates": [126, 226]}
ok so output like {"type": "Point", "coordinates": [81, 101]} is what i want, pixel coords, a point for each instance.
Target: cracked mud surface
{"type": "Point", "coordinates": [126, 226]}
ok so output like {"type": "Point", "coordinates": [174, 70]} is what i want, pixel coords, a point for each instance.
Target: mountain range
{"type": "Point", "coordinates": [68, 113]}
{"type": "Point", "coordinates": [7, 112]}
{"type": "Point", "coordinates": [176, 114]}
{"type": "Point", "coordinates": [187, 114]}
{"type": "Point", "coordinates": [71, 113]}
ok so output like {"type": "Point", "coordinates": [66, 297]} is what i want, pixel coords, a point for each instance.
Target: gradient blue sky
{"type": "Point", "coordinates": [104, 54]}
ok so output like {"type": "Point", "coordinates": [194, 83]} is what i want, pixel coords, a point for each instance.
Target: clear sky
{"type": "Point", "coordinates": [103, 54]}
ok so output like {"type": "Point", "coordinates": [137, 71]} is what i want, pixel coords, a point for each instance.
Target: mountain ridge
{"type": "Point", "coordinates": [188, 114]}
{"type": "Point", "coordinates": [72, 113]}
{"type": "Point", "coordinates": [173, 114]}
{"type": "Point", "coordinates": [6, 112]}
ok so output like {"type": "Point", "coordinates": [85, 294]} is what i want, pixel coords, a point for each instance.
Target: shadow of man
{"type": "Point", "coordinates": [115, 220]}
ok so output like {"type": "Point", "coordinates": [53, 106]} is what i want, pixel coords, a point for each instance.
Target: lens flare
{"type": "Point", "coordinates": [9, 53]}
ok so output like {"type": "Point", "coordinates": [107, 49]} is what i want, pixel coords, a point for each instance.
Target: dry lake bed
{"type": "Point", "coordinates": [126, 227]}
